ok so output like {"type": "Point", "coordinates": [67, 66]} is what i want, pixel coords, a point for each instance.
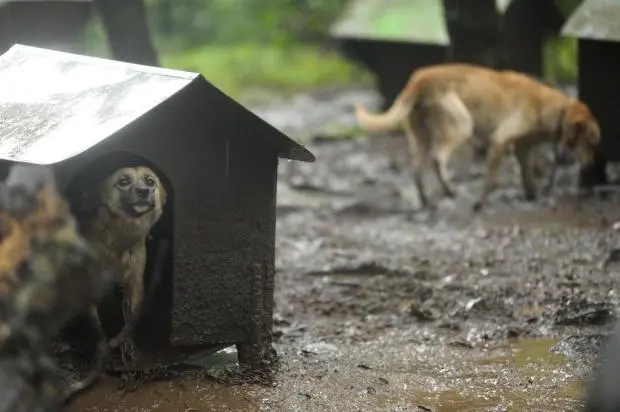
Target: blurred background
{"type": "Point", "coordinates": [245, 47]}
{"type": "Point", "coordinates": [254, 49]}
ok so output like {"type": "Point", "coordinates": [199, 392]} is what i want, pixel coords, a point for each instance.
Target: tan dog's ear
{"type": "Point", "coordinates": [573, 131]}
{"type": "Point", "coordinates": [583, 130]}
{"type": "Point", "coordinates": [163, 194]}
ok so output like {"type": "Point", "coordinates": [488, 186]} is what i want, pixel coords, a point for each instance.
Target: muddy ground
{"type": "Point", "coordinates": [381, 307]}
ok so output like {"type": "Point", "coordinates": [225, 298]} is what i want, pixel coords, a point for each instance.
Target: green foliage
{"type": "Point", "coordinates": [279, 22]}
{"type": "Point", "coordinates": [560, 60]}
{"type": "Point", "coordinates": [95, 40]}
{"type": "Point", "coordinates": [245, 45]}
{"type": "Point", "coordinates": [242, 68]}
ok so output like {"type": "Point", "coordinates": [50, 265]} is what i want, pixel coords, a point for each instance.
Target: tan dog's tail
{"type": "Point", "coordinates": [389, 120]}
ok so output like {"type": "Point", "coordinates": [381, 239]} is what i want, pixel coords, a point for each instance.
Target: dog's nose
{"type": "Point", "coordinates": [143, 192]}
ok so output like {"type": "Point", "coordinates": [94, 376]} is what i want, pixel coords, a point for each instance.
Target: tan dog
{"type": "Point", "coordinates": [116, 217]}
{"type": "Point", "coordinates": [443, 106]}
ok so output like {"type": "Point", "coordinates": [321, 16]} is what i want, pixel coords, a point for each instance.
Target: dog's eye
{"type": "Point", "coordinates": [149, 181]}
{"type": "Point", "coordinates": [124, 181]}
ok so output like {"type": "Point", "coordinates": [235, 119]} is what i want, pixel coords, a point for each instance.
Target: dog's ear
{"type": "Point", "coordinates": [573, 132]}
{"type": "Point", "coordinates": [579, 127]}
{"type": "Point", "coordinates": [163, 194]}
{"type": "Point", "coordinates": [583, 131]}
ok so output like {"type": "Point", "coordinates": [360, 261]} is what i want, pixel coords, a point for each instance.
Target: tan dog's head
{"type": "Point", "coordinates": [129, 192]}
{"type": "Point", "coordinates": [580, 132]}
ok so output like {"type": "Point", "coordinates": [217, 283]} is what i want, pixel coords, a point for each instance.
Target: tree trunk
{"type": "Point", "coordinates": [127, 29]}
{"type": "Point", "coordinates": [473, 27]}
{"type": "Point", "coordinates": [164, 11]}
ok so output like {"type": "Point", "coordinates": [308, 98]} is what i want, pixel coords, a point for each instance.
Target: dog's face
{"type": "Point", "coordinates": [133, 192]}
{"type": "Point", "coordinates": [581, 133]}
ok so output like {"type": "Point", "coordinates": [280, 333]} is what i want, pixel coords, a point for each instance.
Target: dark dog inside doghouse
{"type": "Point", "coordinates": [154, 324]}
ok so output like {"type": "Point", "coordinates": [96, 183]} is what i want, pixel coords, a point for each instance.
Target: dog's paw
{"type": "Point", "coordinates": [129, 352]}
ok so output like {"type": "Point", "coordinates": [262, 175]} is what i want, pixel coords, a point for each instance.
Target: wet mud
{"type": "Point", "coordinates": [381, 306]}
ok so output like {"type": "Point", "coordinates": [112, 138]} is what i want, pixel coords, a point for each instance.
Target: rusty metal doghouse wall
{"type": "Point", "coordinates": [595, 24]}
{"type": "Point", "coordinates": [88, 116]}
{"type": "Point", "coordinates": [220, 290]}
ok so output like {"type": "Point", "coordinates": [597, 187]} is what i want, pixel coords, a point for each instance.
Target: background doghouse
{"type": "Point", "coordinates": [218, 160]}
{"type": "Point", "coordinates": [392, 39]}
{"type": "Point", "coordinates": [56, 24]}
{"type": "Point", "coordinates": [595, 26]}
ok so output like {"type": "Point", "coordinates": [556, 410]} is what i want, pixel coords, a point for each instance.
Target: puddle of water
{"type": "Point", "coordinates": [177, 396]}
{"type": "Point", "coordinates": [172, 396]}
{"type": "Point", "coordinates": [523, 375]}
{"type": "Point", "coordinates": [518, 375]}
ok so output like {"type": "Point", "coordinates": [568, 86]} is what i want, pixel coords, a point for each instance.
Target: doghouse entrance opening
{"type": "Point", "coordinates": [154, 327]}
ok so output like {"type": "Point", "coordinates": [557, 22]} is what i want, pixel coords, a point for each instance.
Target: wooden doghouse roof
{"type": "Point", "coordinates": [56, 105]}
{"type": "Point", "coordinates": [595, 20]}
{"type": "Point", "coordinates": [408, 21]}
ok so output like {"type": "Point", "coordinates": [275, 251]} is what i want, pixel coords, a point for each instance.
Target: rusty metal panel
{"type": "Point", "coordinates": [419, 21]}
{"type": "Point", "coordinates": [595, 20]}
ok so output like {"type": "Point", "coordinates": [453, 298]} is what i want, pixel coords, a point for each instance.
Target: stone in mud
{"type": "Point", "coordinates": [576, 346]}
{"type": "Point", "coordinates": [584, 313]}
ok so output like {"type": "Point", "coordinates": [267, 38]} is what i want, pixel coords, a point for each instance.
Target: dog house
{"type": "Point", "coordinates": [217, 160]}
{"type": "Point", "coordinates": [594, 23]}
{"type": "Point", "coordinates": [473, 28]}
{"type": "Point", "coordinates": [392, 38]}
{"type": "Point", "coordinates": [525, 26]}
{"type": "Point", "coordinates": [57, 24]}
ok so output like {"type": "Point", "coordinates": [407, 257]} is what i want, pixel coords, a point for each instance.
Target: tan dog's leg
{"type": "Point", "coordinates": [133, 295]}
{"type": "Point", "coordinates": [94, 316]}
{"type": "Point", "coordinates": [523, 151]}
{"type": "Point", "coordinates": [419, 148]}
{"type": "Point", "coordinates": [550, 187]}
{"type": "Point", "coordinates": [494, 161]}
{"type": "Point", "coordinates": [440, 165]}
{"type": "Point", "coordinates": [456, 127]}
{"type": "Point", "coordinates": [510, 130]}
